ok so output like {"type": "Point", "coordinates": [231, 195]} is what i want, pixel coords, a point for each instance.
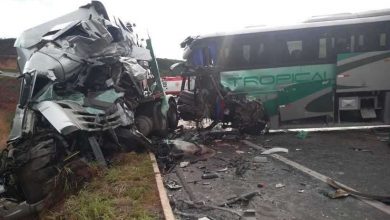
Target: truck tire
{"type": "Point", "coordinates": [172, 115]}
{"type": "Point", "coordinates": [36, 176]}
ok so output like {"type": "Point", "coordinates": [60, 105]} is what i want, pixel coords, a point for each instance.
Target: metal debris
{"type": "Point", "coordinates": [241, 198]}
{"type": "Point", "coordinates": [260, 159]}
{"type": "Point", "coordinates": [275, 150]}
{"type": "Point", "coordinates": [361, 150]}
{"type": "Point", "coordinates": [209, 176]}
{"type": "Point", "coordinates": [249, 214]}
{"type": "Point", "coordinates": [279, 185]}
{"type": "Point", "coordinates": [349, 191]}
{"type": "Point", "coordinates": [222, 170]}
{"type": "Point", "coordinates": [184, 164]}
{"type": "Point", "coordinates": [339, 193]}
{"type": "Point", "coordinates": [173, 185]}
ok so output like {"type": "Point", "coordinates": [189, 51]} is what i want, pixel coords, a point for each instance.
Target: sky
{"type": "Point", "coordinates": [169, 22]}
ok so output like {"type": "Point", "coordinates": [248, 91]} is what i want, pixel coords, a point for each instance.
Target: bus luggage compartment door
{"type": "Point", "coordinates": [306, 100]}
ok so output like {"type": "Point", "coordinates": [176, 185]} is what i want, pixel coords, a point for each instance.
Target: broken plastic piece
{"type": "Point", "coordinates": [279, 185]}
{"type": "Point", "coordinates": [275, 150]}
{"type": "Point", "coordinates": [184, 164]}
{"type": "Point", "coordinates": [173, 185]}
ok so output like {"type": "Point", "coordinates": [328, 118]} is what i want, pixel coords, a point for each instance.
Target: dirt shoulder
{"type": "Point", "coordinates": [9, 94]}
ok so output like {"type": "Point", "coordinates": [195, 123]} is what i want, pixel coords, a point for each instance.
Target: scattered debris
{"type": "Point", "coordinates": [339, 193]}
{"type": "Point", "coordinates": [361, 149]}
{"type": "Point", "coordinates": [206, 183]}
{"type": "Point", "coordinates": [260, 185]}
{"type": "Point", "coordinates": [240, 152]}
{"type": "Point", "coordinates": [241, 198]}
{"type": "Point", "coordinates": [298, 149]}
{"type": "Point", "coordinates": [302, 134]}
{"type": "Point", "coordinates": [222, 170]}
{"type": "Point", "coordinates": [241, 166]}
{"type": "Point", "coordinates": [190, 150]}
{"type": "Point", "coordinates": [260, 159]}
{"type": "Point", "coordinates": [186, 187]}
{"type": "Point", "coordinates": [301, 190]}
{"type": "Point", "coordinates": [349, 191]}
{"type": "Point", "coordinates": [250, 214]}
{"type": "Point", "coordinates": [173, 185]}
{"type": "Point", "coordinates": [279, 185]}
{"type": "Point", "coordinates": [184, 164]}
{"type": "Point", "coordinates": [275, 150]}
{"type": "Point", "coordinates": [209, 176]}
{"type": "Point", "coordinates": [203, 218]}
{"type": "Point", "coordinates": [201, 205]}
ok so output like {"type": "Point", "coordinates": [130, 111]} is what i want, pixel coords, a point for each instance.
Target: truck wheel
{"type": "Point", "coordinates": [36, 177]}
{"type": "Point", "coordinates": [172, 115]}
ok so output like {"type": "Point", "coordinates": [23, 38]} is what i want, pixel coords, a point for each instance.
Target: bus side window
{"type": "Point", "coordinates": [261, 53]}
{"type": "Point", "coordinates": [382, 40]}
{"type": "Point", "coordinates": [322, 48]}
{"type": "Point", "coordinates": [295, 49]}
{"type": "Point", "coordinates": [246, 53]}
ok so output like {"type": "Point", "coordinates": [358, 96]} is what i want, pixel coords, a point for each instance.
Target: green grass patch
{"type": "Point", "coordinates": [9, 70]}
{"type": "Point", "coordinates": [127, 190]}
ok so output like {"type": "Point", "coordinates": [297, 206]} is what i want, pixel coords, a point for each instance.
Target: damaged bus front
{"type": "Point", "coordinates": [89, 87]}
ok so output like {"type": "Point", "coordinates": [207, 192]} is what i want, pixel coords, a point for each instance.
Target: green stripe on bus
{"type": "Point", "coordinates": [364, 61]}
{"type": "Point", "coordinates": [282, 85]}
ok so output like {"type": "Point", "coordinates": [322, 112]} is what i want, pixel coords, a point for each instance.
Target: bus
{"type": "Point", "coordinates": [330, 70]}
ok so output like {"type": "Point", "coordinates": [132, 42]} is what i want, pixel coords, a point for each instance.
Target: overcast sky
{"type": "Point", "coordinates": [169, 22]}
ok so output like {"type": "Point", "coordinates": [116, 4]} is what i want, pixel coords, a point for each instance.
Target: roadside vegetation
{"type": "Point", "coordinates": [127, 190]}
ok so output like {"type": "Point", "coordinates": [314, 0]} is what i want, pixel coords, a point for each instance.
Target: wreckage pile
{"type": "Point", "coordinates": [90, 88]}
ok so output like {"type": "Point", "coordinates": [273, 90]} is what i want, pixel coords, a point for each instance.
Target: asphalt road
{"type": "Point", "coordinates": [356, 158]}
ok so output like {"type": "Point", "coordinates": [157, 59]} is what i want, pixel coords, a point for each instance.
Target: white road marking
{"type": "Point", "coordinates": [379, 205]}
{"type": "Point", "coordinates": [364, 127]}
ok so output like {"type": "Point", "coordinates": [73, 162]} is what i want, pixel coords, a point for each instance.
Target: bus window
{"type": "Point", "coordinates": [322, 48]}
{"type": "Point", "coordinates": [360, 44]}
{"type": "Point", "coordinates": [261, 54]}
{"type": "Point", "coordinates": [353, 43]}
{"type": "Point", "coordinates": [382, 40]}
{"type": "Point", "coordinates": [246, 53]}
{"type": "Point", "coordinates": [295, 49]}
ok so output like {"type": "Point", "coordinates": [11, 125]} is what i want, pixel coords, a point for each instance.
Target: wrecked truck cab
{"type": "Point", "coordinates": [210, 98]}
{"type": "Point", "coordinates": [89, 88]}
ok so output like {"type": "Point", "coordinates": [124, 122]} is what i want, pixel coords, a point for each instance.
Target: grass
{"type": "Point", "coordinates": [127, 190]}
{"type": "Point", "coordinates": [9, 70]}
